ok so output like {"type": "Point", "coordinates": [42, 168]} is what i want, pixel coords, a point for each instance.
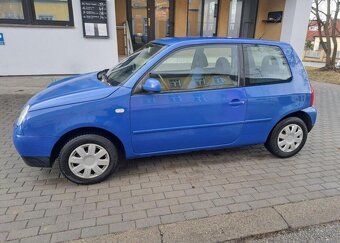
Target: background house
{"type": "Point", "coordinates": [59, 36]}
{"type": "Point", "coordinates": [312, 32]}
{"type": "Point", "coordinates": [315, 51]}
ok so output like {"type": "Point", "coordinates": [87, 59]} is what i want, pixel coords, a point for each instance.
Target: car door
{"type": "Point", "coordinates": [201, 103]}
{"type": "Point", "coordinates": [271, 94]}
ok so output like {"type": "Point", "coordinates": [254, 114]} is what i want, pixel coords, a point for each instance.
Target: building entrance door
{"type": "Point", "coordinates": [150, 20]}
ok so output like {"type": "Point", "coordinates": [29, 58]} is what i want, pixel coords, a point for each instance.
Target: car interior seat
{"type": "Point", "coordinates": [199, 62]}
{"type": "Point", "coordinates": [269, 66]}
{"type": "Point", "coordinates": [222, 66]}
{"type": "Point", "coordinates": [200, 59]}
{"type": "Point", "coordinates": [222, 73]}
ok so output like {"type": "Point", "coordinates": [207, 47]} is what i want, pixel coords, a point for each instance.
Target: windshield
{"type": "Point", "coordinates": [124, 70]}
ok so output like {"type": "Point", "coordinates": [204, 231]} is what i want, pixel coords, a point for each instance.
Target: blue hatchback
{"type": "Point", "coordinates": [174, 95]}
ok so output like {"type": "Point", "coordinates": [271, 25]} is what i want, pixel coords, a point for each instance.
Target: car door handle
{"type": "Point", "coordinates": [236, 102]}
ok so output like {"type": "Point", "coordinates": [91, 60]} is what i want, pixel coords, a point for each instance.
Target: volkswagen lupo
{"type": "Point", "coordinates": [174, 95]}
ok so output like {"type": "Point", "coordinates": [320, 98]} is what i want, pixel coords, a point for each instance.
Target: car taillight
{"type": "Point", "coordinates": [312, 96]}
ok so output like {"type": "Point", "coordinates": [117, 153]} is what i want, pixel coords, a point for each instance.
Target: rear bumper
{"type": "Point", "coordinates": [312, 113]}
{"type": "Point", "coordinates": [37, 161]}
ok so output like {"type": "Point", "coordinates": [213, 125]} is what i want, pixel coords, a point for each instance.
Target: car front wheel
{"type": "Point", "coordinates": [88, 159]}
{"type": "Point", "coordinates": [287, 138]}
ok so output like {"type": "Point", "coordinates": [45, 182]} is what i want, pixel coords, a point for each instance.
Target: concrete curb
{"type": "Point", "coordinates": [312, 212]}
{"type": "Point", "coordinates": [224, 227]}
{"type": "Point", "coordinates": [235, 225]}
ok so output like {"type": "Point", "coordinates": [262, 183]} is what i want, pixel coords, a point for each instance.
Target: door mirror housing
{"type": "Point", "coordinates": [152, 85]}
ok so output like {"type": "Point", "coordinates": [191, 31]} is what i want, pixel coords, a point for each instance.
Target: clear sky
{"type": "Point", "coordinates": [323, 7]}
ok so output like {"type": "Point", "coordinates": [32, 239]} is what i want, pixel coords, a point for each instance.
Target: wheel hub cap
{"type": "Point", "coordinates": [290, 138]}
{"type": "Point", "coordinates": [89, 160]}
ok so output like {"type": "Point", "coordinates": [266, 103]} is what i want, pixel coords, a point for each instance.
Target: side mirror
{"type": "Point", "coordinates": [102, 73]}
{"type": "Point", "coordinates": [152, 85]}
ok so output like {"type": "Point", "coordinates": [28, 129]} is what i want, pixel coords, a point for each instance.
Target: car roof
{"type": "Point", "coordinates": [207, 40]}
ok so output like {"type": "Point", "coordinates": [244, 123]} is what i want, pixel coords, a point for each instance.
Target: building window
{"type": "Point", "coordinates": [11, 10]}
{"type": "Point", "coordinates": [202, 17]}
{"type": "Point", "coordinates": [194, 17]}
{"type": "Point", "coordinates": [36, 12]}
{"type": "Point", "coordinates": [58, 9]}
{"type": "Point", "coordinates": [313, 28]}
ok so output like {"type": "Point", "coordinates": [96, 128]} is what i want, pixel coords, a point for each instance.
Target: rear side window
{"type": "Point", "coordinates": [265, 65]}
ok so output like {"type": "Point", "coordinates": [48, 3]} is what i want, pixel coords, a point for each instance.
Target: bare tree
{"type": "Point", "coordinates": [326, 15]}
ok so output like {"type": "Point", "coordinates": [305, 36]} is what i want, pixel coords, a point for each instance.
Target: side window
{"type": "Point", "coordinates": [199, 67]}
{"type": "Point", "coordinates": [265, 65]}
{"type": "Point", "coordinates": [180, 61]}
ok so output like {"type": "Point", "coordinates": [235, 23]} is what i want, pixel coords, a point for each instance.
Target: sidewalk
{"type": "Point", "coordinates": [235, 226]}
{"type": "Point", "coordinates": [25, 84]}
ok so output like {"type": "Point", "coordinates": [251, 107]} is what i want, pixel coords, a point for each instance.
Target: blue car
{"type": "Point", "coordinates": [172, 96]}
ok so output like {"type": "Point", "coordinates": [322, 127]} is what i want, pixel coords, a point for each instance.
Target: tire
{"type": "Point", "coordinates": [284, 141]}
{"type": "Point", "coordinates": [96, 155]}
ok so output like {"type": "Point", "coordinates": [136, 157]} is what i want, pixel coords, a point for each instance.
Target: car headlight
{"type": "Point", "coordinates": [23, 115]}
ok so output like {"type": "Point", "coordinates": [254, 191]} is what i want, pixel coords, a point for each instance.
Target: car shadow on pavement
{"type": "Point", "coordinates": [192, 163]}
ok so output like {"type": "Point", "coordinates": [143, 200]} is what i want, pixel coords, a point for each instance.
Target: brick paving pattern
{"type": "Point", "coordinates": [39, 205]}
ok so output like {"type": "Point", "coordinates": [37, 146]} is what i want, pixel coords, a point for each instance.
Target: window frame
{"type": "Point", "coordinates": [247, 84]}
{"type": "Point", "coordinates": [30, 17]}
{"type": "Point", "coordinates": [136, 90]}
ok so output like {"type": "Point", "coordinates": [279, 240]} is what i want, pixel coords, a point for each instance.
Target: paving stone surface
{"type": "Point", "coordinates": [39, 204]}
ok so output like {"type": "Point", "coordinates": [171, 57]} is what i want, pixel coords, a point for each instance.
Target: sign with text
{"type": "Point", "coordinates": [94, 16]}
{"type": "Point", "coordinates": [2, 39]}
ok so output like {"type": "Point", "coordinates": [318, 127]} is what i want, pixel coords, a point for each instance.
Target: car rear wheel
{"type": "Point", "coordinates": [287, 138]}
{"type": "Point", "coordinates": [88, 159]}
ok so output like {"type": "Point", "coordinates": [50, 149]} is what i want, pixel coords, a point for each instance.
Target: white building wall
{"type": "Point", "coordinates": [57, 50]}
{"type": "Point", "coordinates": [317, 43]}
{"type": "Point", "coordinates": [295, 23]}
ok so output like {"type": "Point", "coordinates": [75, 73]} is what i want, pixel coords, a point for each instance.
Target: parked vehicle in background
{"type": "Point", "coordinates": [174, 95]}
{"type": "Point", "coordinates": [337, 65]}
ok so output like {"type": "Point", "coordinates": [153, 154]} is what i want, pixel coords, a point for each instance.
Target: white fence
{"type": "Point", "coordinates": [311, 55]}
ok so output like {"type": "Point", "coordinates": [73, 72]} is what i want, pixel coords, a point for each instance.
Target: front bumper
{"type": "Point", "coordinates": [37, 161]}
{"type": "Point", "coordinates": [34, 150]}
